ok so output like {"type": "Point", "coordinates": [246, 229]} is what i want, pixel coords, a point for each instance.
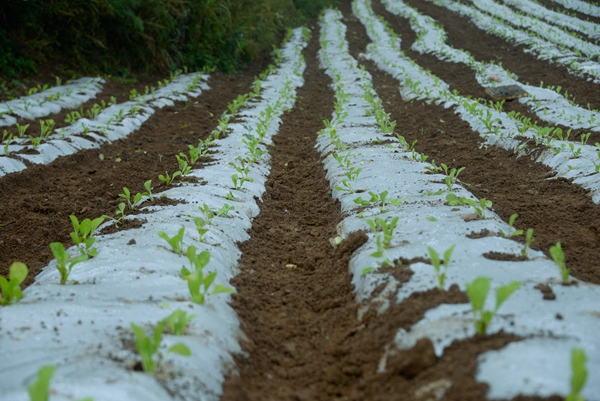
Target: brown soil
{"type": "Point", "coordinates": [295, 299]}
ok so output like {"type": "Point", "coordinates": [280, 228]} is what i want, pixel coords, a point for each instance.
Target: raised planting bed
{"type": "Point", "coordinates": [358, 221]}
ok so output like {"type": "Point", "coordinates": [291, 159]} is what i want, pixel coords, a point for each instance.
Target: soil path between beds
{"type": "Point", "coordinates": [296, 303]}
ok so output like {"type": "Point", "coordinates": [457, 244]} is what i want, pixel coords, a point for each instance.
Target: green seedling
{"type": "Point", "coordinates": [480, 206]}
{"type": "Point", "coordinates": [148, 193]}
{"type": "Point", "coordinates": [558, 256]}
{"type": "Point", "coordinates": [120, 212]}
{"type": "Point", "coordinates": [580, 373]}
{"type": "Point", "coordinates": [386, 228]}
{"type": "Point", "coordinates": [39, 389]}
{"type": "Point", "coordinates": [167, 179]}
{"type": "Point", "coordinates": [199, 283]}
{"type": "Point", "coordinates": [149, 348]}
{"type": "Point", "coordinates": [176, 241]}
{"type": "Point", "coordinates": [345, 187]}
{"type": "Point", "coordinates": [83, 234]}
{"type": "Point", "coordinates": [224, 211]}
{"type": "Point", "coordinates": [381, 252]}
{"type": "Point", "coordinates": [73, 117]}
{"type": "Point", "coordinates": [10, 290]}
{"type": "Point", "coordinates": [46, 128]}
{"type": "Point", "coordinates": [201, 228]}
{"type": "Point", "coordinates": [63, 259]}
{"type": "Point", "coordinates": [451, 177]}
{"type": "Point", "coordinates": [21, 129]}
{"type": "Point", "coordinates": [207, 213]}
{"type": "Point", "coordinates": [528, 241]}
{"type": "Point", "coordinates": [8, 139]}
{"type": "Point", "coordinates": [184, 166]}
{"type": "Point", "coordinates": [127, 196]}
{"type": "Point", "coordinates": [230, 196]}
{"type": "Point", "coordinates": [478, 291]}
{"type": "Point", "coordinates": [379, 200]}
{"type": "Point", "coordinates": [178, 320]}
{"type": "Point", "coordinates": [440, 273]}
{"type": "Point", "coordinates": [512, 232]}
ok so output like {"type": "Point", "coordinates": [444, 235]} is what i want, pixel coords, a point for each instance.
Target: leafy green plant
{"type": "Point", "coordinates": [558, 256]}
{"type": "Point", "coordinates": [149, 347]}
{"type": "Point", "coordinates": [512, 232]}
{"type": "Point", "coordinates": [10, 290]}
{"type": "Point", "coordinates": [63, 259]}
{"type": "Point", "coordinates": [39, 389]}
{"type": "Point", "coordinates": [379, 200]}
{"type": "Point", "coordinates": [178, 320]}
{"type": "Point", "coordinates": [21, 129]}
{"type": "Point", "coordinates": [440, 273]}
{"type": "Point", "coordinates": [452, 176]}
{"type": "Point", "coordinates": [386, 228]}
{"type": "Point", "coordinates": [199, 283]}
{"type": "Point", "coordinates": [83, 234]}
{"type": "Point", "coordinates": [127, 196]}
{"type": "Point", "coordinates": [176, 241]}
{"type": "Point", "coordinates": [580, 373]}
{"type": "Point", "coordinates": [167, 179]}
{"type": "Point", "coordinates": [480, 206]}
{"type": "Point", "coordinates": [528, 241]}
{"type": "Point", "coordinates": [478, 291]}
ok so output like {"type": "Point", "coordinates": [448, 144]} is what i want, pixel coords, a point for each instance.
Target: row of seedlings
{"type": "Point", "coordinates": [548, 104]}
{"type": "Point", "coordinates": [577, 161]}
{"type": "Point", "coordinates": [587, 28]}
{"type": "Point", "coordinates": [541, 47]}
{"type": "Point", "coordinates": [106, 123]}
{"type": "Point", "coordinates": [433, 222]}
{"type": "Point", "coordinates": [580, 6]}
{"type": "Point", "coordinates": [42, 101]}
{"type": "Point", "coordinates": [116, 334]}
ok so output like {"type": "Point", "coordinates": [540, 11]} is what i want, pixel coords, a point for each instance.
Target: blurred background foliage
{"type": "Point", "coordinates": [121, 37]}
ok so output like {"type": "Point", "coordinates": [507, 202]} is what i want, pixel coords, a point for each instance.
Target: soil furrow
{"type": "Point", "coordinates": [37, 202]}
{"type": "Point", "coordinates": [556, 209]}
{"type": "Point", "coordinates": [295, 301]}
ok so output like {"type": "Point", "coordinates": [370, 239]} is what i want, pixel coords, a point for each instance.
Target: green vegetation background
{"type": "Point", "coordinates": [123, 36]}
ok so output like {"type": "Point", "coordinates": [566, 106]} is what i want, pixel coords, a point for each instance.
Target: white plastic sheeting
{"type": "Point", "coordinates": [385, 52]}
{"type": "Point", "coordinates": [84, 329]}
{"type": "Point", "coordinates": [544, 49]}
{"type": "Point", "coordinates": [50, 101]}
{"type": "Point", "coordinates": [547, 104]}
{"type": "Point", "coordinates": [426, 220]}
{"type": "Point", "coordinates": [113, 123]}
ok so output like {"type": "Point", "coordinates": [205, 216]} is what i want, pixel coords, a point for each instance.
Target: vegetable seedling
{"type": "Point", "coordinates": [62, 259]}
{"type": "Point", "coordinates": [10, 290]}
{"type": "Point", "coordinates": [382, 225]}
{"type": "Point", "coordinates": [478, 291]}
{"type": "Point", "coordinates": [39, 389]}
{"type": "Point", "coordinates": [440, 273]}
{"type": "Point", "coordinates": [83, 234]}
{"type": "Point", "coordinates": [176, 241]}
{"type": "Point", "coordinates": [512, 232]}
{"type": "Point", "coordinates": [558, 256]}
{"type": "Point", "coordinates": [178, 320]}
{"type": "Point", "coordinates": [167, 179]}
{"type": "Point", "coordinates": [127, 196]}
{"type": "Point", "coordinates": [149, 348]}
{"type": "Point", "coordinates": [528, 241]}
{"type": "Point", "coordinates": [579, 377]}
{"type": "Point", "coordinates": [198, 282]}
